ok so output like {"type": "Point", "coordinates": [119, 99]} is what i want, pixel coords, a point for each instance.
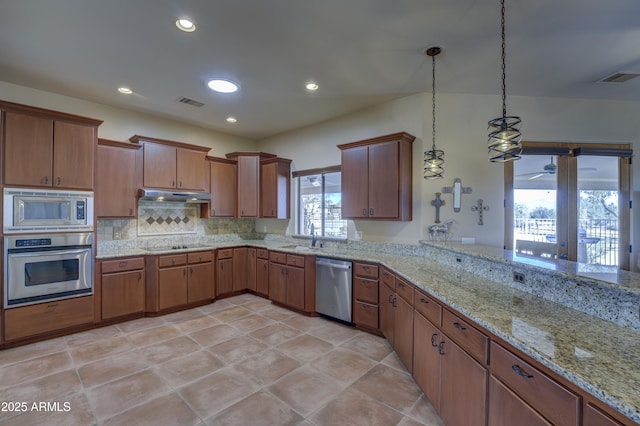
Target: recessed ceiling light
{"type": "Point", "coordinates": [125, 90]}
{"type": "Point", "coordinates": [222, 86]}
{"type": "Point", "coordinates": [231, 120]}
{"type": "Point", "coordinates": [185, 25]}
{"type": "Point", "coordinates": [311, 86]}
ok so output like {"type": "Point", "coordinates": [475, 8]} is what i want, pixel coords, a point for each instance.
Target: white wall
{"type": "Point", "coordinates": [120, 124]}
{"type": "Point", "coordinates": [461, 124]}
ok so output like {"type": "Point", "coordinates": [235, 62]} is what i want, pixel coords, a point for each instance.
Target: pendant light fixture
{"type": "Point", "coordinates": [504, 132]}
{"type": "Point", "coordinates": [434, 159]}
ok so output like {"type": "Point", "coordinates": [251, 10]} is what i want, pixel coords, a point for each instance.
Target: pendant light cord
{"type": "Point", "coordinates": [504, 73]}
{"type": "Point", "coordinates": [433, 101]}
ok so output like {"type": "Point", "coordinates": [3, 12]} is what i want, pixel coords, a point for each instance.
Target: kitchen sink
{"type": "Point", "coordinates": [299, 248]}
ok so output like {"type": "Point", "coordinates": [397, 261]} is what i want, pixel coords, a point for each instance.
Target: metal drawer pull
{"type": "Point", "coordinates": [423, 300]}
{"type": "Point", "coordinates": [122, 264]}
{"type": "Point", "coordinates": [433, 339]}
{"type": "Point", "coordinates": [521, 373]}
{"type": "Point", "coordinates": [440, 348]}
{"type": "Point", "coordinates": [458, 326]}
{"type": "Point", "coordinates": [389, 299]}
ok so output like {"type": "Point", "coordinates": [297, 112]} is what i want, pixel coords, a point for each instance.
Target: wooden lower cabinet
{"type": "Point", "coordinates": [277, 283]}
{"type": "Point", "coordinates": [239, 268]}
{"type": "Point", "coordinates": [387, 313]}
{"type": "Point", "coordinates": [251, 269]}
{"type": "Point", "coordinates": [199, 285]}
{"type": "Point", "coordinates": [593, 416]}
{"type": "Point", "coordinates": [262, 277]}
{"type": "Point", "coordinates": [224, 272]}
{"type": "Point", "coordinates": [507, 409]}
{"type": "Point", "coordinates": [403, 332]}
{"type": "Point", "coordinates": [366, 311]}
{"type": "Point", "coordinates": [122, 293]}
{"type": "Point", "coordinates": [295, 287]}
{"type": "Point", "coordinates": [463, 387]}
{"type": "Point", "coordinates": [32, 320]}
{"type": "Point", "coordinates": [172, 287]}
{"type": "Point", "coordinates": [288, 280]}
{"type": "Point", "coordinates": [426, 358]}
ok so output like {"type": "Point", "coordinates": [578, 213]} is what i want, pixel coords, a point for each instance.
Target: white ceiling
{"type": "Point", "coordinates": [360, 52]}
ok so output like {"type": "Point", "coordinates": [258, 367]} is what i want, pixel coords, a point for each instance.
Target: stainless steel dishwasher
{"type": "Point", "coordinates": [333, 288]}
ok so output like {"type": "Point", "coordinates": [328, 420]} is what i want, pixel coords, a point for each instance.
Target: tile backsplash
{"type": "Point", "coordinates": [167, 219]}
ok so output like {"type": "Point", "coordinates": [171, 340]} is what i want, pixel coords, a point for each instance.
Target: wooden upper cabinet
{"type": "Point", "coordinates": [275, 182]}
{"type": "Point", "coordinates": [377, 178]}
{"type": "Point", "coordinates": [116, 179]}
{"type": "Point", "coordinates": [223, 187]}
{"type": "Point", "coordinates": [48, 149]}
{"type": "Point", "coordinates": [172, 165]}
{"type": "Point", "coordinates": [249, 181]}
{"type": "Point", "coordinates": [190, 170]}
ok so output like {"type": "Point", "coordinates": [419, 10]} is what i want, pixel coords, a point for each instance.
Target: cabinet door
{"type": "Point", "coordinates": [387, 313]}
{"type": "Point", "coordinates": [295, 287]}
{"type": "Point", "coordinates": [277, 283]}
{"type": "Point", "coordinates": [403, 333]}
{"type": "Point", "coordinates": [200, 282]}
{"type": "Point", "coordinates": [251, 269]}
{"type": "Point", "coordinates": [593, 416]}
{"type": "Point", "coordinates": [239, 269]}
{"type": "Point", "coordinates": [28, 150]}
{"type": "Point", "coordinates": [269, 189]}
{"type": "Point", "coordinates": [225, 276]}
{"type": "Point", "coordinates": [159, 167]}
{"type": "Point", "coordinates": [73, 152]}
{"type": "Point", "coordinates": [190, 169]}
{"type": "Point", "coordinates": [426, 359]}
{"type": "Point", "coordinates": [463, 387]}
{"type": "Point", "coordinates": [122, 293]}
{"type": "Point", "coordinates": [355, 182]}
{"type": "Point", "coordinates": [507, 409]}
{"type": "Point", "coordinates": [223, 189]}
{"type": "Point", "coordinates": [262, 276]}
{"type": "Point", "coordinates": [383, 180]}
{"type": "Point", "coordinates": [172, 287]}
{"type": "Point", "coordinates": [115, 182]}
{"type": "Point", "coordinates": [248, 186]}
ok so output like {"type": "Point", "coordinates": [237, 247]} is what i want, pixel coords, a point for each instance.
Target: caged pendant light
{"type": "Point", "coordinates": [434, 159]}
{"type": "Point", "coordinates": [504, 132]}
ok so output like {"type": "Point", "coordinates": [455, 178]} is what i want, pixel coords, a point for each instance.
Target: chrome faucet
{"type": "Point", "coordinates": [314, 236]}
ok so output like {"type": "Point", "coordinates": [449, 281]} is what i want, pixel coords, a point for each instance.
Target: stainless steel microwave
{"type": "Point", "coordinates": [35, 210]}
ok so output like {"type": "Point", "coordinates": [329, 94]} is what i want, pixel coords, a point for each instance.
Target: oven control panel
{"type": "Point", "coordinates": [33, 242]}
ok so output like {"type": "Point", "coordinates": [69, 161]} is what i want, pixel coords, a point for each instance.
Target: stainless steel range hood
{"type": "Point", "coordinates": [175, 197]}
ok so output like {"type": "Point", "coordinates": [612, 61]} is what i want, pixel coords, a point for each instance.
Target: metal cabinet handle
{"type": "Point", "coordinates": [441, 348]}
{"type": "Point", "coordinates": [130, 212]}
{"type": "Point", "coordinates": [191, 270]}
{"type": "Point", "coordinates": [395, 299]}
{"type": "Point", "coordinates": [173, 183]}
{"type": "Point", "coordinates": [364, 212]}
{"type": "Point", "coordinates": [521, 373]}
{"type": "Point", "coordinates": [371, 211]}
{"type": "Point", "coordinates": [46, 179]}
{"type": "Point", "coordinates": [123, 264]}
{"type": "Point", "coordinates": [400, 284]}
{"type": "Point", "coordinates": [139, 276]}
{"type": "Point", "coordinates": [458, 326]}
{"type": "Point", "coordinates": [184, 272]}
{"type": "Point", "coordinates": [389, 299]}
{"type": "Point", "coordinates": [58, 181]}
{"type": "Point", "coordinates": [423, 300]}
{"type": "Point", "coordinates": [433, 339]}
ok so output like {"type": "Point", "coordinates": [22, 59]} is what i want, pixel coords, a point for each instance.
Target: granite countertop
{"type": "Point", "coordinates": [596, 355]}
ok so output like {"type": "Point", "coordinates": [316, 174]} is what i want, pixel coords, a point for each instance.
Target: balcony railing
{"type": "Point", "coordinates": [597, 238]}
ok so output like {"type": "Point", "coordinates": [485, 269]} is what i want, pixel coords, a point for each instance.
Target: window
{"type": "Point", "coordinates": [319, 203]}
{"type": "Point", "coordinates": [570, 201]}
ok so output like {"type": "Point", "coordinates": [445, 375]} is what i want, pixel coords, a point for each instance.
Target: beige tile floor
{"type": "Point", "coordinates": [239, 361]}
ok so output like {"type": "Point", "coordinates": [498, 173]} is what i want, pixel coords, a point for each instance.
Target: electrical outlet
{"type": "Point", "coordinates": [518, 277]}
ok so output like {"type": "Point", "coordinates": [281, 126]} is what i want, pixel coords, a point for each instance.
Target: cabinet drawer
{"type": "Point", "coordinates": [225, 253]}
{"type": "Point", "coordinates": [558, 404]}
{"type": "Point", "coordinates": [172, 260]}
{"type": "Point", "coordinates": [277, 257]}
{"type": "Point", "coordinates": [200, 257]}
{"type": "Point", "coordinates": [428, 307]}
{"type": "Point", "coordinates": [365, 290]}
{"type": "Point", "coordinates": [122, 265]}
{"type": "Point", "coordinates": [404, 290]}
{"type": "Point", "coordinates": [294, 260]}
{"type": "Point", "coordinates": [470, 339]}
{"type": "Point", "coordinates": [45, 317]}
{"type": "Point", "coordinates": [388, 278]}
{"type": "Point", "coordinates": [365, 314]}
{"type": "Point", "coordinates": [365, 270]}
{"type": "Point", "coordinates": [262, 253]}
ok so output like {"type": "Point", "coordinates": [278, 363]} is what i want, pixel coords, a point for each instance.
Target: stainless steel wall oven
{"type": "Point", "coordinates": [47, 267]}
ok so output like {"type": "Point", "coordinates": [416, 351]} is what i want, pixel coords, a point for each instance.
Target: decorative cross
{"type": "Point", "coordinates": [457, 190]}
{"type": "Point", "coordinates": [480, 209]}
{"type": "Point", "coordinates": [437, 203]}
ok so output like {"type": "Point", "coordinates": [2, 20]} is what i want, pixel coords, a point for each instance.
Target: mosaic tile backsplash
{"type": "Point", "coordinates": [166, 219]}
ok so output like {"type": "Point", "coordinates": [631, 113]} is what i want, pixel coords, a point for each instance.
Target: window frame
{"type": "Point", "coordinates": [298, 213]}
{"type": "Point", "coordinates": [567, 189]}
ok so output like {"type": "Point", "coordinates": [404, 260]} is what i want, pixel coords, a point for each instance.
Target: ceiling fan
{"type": "Point", "coordinates": [550, 169]}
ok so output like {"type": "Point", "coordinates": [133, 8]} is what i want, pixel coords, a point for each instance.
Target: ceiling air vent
{"type": "Point", "coordinates": [618, 77]}
{"type": "Point", "coordinates": [191, 102]}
